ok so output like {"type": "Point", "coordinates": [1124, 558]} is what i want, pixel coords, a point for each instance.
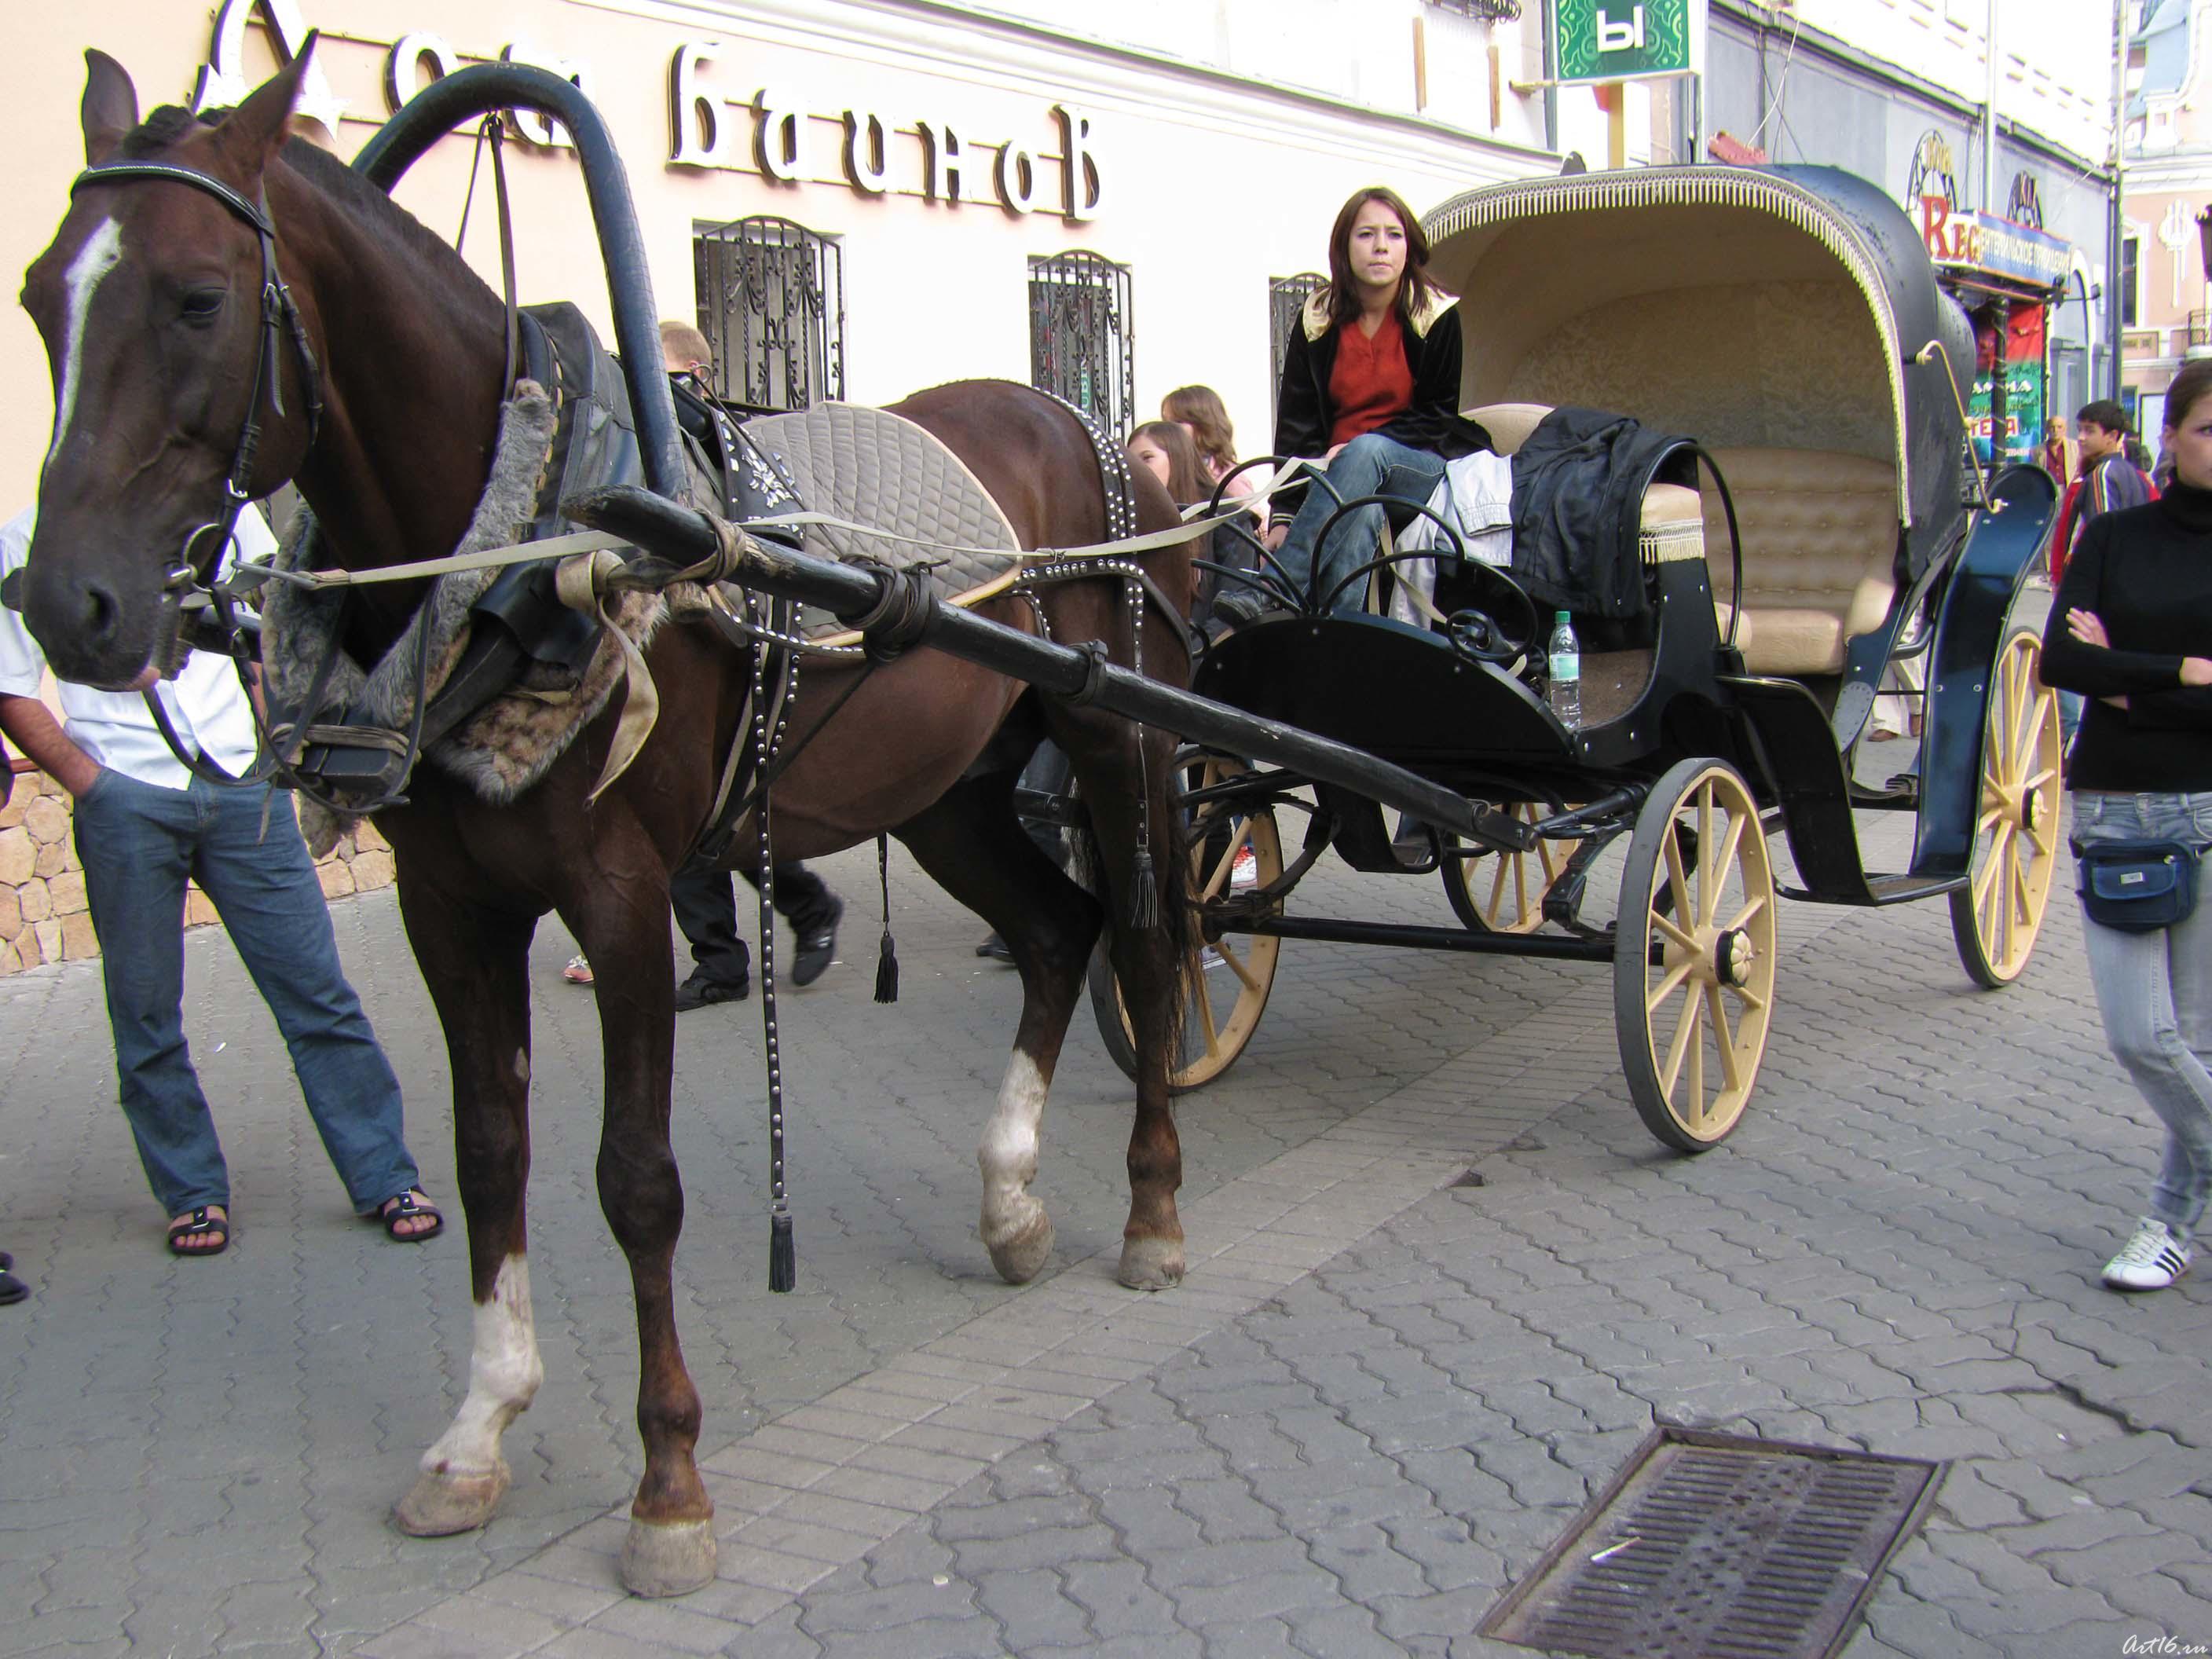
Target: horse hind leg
{"type": "Point", "coordinates": [475, 963]}
{"type": "Point", "coordinates": [1149, 961]}
{"type": "Point", "coordinates": [974, 848]}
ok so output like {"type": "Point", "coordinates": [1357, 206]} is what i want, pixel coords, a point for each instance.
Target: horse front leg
{"type": "Point", "coordinates": [623, 928]}
{"type": "Point", "coordinates": [475, 962]}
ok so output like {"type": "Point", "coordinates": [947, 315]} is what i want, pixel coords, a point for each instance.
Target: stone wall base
{"type": "Point", "coordinates": [42, 905]}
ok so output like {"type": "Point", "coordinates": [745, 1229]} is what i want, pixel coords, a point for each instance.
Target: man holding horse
{"type": "Point", "coordinates": [144, 821]}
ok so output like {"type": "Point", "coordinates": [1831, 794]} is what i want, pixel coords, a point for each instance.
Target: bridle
{"type": "Point", "coordinates": [201, 555]}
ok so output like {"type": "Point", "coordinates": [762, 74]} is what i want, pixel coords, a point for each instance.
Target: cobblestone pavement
{"type": "Point", "coordinates": [1378, 1398]}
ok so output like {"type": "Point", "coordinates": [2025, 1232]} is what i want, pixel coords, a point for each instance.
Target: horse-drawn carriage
{"type": "Point", "coordinates": [318, 335]}
{"type": "Point", "coordinates": [1814, 535]}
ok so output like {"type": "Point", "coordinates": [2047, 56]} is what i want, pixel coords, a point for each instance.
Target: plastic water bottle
{"type": "Point", "coordinates": [1566, 653]}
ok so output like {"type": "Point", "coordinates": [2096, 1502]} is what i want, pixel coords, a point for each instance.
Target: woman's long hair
{"type": "Point", "coordinates": [1414, 288]}
{"type": "Point", "coordinates": [2191, 384]}
{"type": "Point", "coordinates": [1187, 481]}
{"type": "Point", "coordinates": [1200, 409]}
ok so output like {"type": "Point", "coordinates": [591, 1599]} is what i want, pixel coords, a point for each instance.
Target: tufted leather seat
{"type": "Point", "coordinates": [1819, 548]}
{"type": "Point", "coordinates": [1820, 541]}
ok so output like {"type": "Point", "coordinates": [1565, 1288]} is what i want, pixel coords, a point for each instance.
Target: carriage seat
{"type": "Point", "coordinates": [1820, 540]}
{"type": "Point", "coordinates": [1671, 525]}
{"type": "Point", "coordinates": [1819, 550]}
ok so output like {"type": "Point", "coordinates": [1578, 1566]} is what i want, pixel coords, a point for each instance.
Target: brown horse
{"type": "Point", "coordinates": [150, 300]}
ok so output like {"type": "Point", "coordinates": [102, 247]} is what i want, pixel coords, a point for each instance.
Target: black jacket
{"type": "Point", "coordinates": [1578, 485]}
{"type": "Point", "coordinates": [1304, 415]}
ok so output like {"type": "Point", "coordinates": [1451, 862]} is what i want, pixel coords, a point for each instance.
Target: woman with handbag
{"type": "Point", "coordinates": [2131, 630]}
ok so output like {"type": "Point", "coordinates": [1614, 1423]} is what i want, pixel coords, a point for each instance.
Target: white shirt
{"type": "Point", "coordinates": [206, 705]}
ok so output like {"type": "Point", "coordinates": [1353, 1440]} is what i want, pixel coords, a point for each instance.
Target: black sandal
{"type": "Point", "coordinates": [395, 1210]}
{"type": "Point", "coordinates": [200, 1225]}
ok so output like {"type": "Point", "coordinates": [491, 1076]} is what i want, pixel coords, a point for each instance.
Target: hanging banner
{"type": "Point", "coordinates": [1626, 39]}
{"type": "Point", "coordinates": [2024, 395]}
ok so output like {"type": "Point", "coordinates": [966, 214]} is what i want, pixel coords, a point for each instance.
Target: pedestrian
{"type": "Point", "coordinates": [703, 898]}
{"type": "Point", "coordinates": [2131, 628]}
{"type": "Point", "coordinates": [2058, 454]}
{"type": "Point", "coordinates": [143, 822]}
{"type": "Point", "coordinates": [1370, 388]}
{"type": "Point", "coordinates": [2105, 482]}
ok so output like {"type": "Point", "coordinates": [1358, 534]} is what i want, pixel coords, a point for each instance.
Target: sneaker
{"type": "Point", "coordinates": [701, 992]}
{"type": "Point", "coordinates": [817, 946]}
{"type": "Point", "coordinates": [1244, 874]}
{"type": "Point", "coordinates": [2151, 1261]}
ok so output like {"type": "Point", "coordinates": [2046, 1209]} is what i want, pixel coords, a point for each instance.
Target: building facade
{"type": "Point", "coordinates": [2165, 307]}
{"type": "Point", "coordinates": [861, 199]}
{"type": "Point", "coordinates": [1902, 92]}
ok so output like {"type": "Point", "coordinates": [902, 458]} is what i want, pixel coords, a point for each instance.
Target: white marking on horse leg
{"type": "Point", "coordinates": [101, 252]}
{"type": "Point", "coordinates": [1016, 1229]}
{"type": "Point", "coordinates": [504, 1372]}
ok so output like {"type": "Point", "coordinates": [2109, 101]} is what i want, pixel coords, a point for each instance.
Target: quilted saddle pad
{"type": "Point", "coordinates": [871, 467]}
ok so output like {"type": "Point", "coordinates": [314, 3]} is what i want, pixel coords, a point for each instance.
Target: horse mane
{"type": "Point", "coordinates": [170, 123]}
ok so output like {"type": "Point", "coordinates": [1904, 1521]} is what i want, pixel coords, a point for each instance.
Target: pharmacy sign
{"type": "Point", "coordinates": [1626, 39]}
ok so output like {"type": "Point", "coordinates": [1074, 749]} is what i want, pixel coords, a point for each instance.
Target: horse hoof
{"type": "Point", "coordinates": [438, 1505]}
{"type": "Point", "coordinates": [1152, 1264]}
{"type": "Point", "coordinates": [1022, 1257]}
{"type": "Point", "coordinates": [668, 1558]}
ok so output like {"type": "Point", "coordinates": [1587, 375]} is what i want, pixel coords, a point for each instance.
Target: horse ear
{"type": "Point", "coordinates": [251, 134]}
{"type": "Point", "coordinates": [111, 104]}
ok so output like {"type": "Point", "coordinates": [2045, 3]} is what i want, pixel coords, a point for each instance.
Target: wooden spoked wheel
{"type": "Point", "coordinates": [1225, 985]}
{"type": "Point", "coordinates": [1694, 955]}
{"type": "Point", "coordinates": [1997, 916]}
{"type": "Point", "coordinates": [1504, 892]}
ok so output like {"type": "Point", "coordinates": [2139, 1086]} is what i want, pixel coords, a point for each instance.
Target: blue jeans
{"type": "Point", "coordinates": [1370, 464]}
{"type": "Point", "coordinates": [2154, 991]}
{"type": "Point", "coordinates": [138, 842]}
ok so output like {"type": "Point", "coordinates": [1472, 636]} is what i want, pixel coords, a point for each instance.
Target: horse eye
{"type": "Point", "coordinates": [202, 305]}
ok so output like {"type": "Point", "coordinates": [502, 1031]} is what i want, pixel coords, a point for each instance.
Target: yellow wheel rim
{"type": "Point", "coordinates": [1505, 890]}
{"type": "Point", "coordinates": [1226, 984]}
{"type": "Point", "coordinates": [1695, 967]}
{"type": "Point", "coordinates": [2016, 825]}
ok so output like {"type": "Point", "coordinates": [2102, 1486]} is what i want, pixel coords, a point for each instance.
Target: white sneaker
{"type": "Point", "coordinates": [1210, 959]}
{"type": "Point", "coordinates": [1244, 874]}
{"type": "Point", "coordinates": [2151, 1261]}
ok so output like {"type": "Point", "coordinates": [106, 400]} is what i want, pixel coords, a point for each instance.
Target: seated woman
{"type": "Point", "coordinates": [1370, 385]}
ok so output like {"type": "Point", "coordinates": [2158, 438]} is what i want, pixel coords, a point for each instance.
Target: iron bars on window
{"type": "Point", "coordinates": [1287, 297]}
{"type": "Point", "coordinates": [1082, 342]}
{"type": "Point", "coordinates": [772, 306]}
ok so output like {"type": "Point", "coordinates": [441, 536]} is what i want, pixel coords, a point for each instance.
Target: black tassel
{"type": "Point", "coordinates": [782, 1255]}
{"type": "Point", "coordinates": [1144, 904]}
{"type": "Point", "coordinates": [886, 952]}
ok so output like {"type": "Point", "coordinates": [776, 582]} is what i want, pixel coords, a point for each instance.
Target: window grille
{"type": "Point", "coordinates": [1491, 11]}
{"type": "Point", "coordinates": [1081, 340]}
{"type": "Point", "coordinates": [772, 306]}
{"type": "Point", "coordinates": [1287, 297]}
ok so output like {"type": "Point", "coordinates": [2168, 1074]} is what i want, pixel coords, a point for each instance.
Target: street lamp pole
{"type": "Point", "coordinates": [2115, 241]}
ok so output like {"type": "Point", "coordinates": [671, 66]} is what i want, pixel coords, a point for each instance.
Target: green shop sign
{"type": "Point", "coordinates": [1622, 39]}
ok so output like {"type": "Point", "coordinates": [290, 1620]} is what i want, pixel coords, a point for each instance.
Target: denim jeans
{"type": "Point", "coordinates": [138, 842]}
{"type": "Point", "coordinates": [1370, 464]}
{"type": "Point", "coordinates": [2154, 991]}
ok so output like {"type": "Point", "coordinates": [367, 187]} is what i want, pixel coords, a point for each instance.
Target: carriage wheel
{"type": "Point", "coordinates": [1694, 955]}
{"type": "Point", "coordinates": [1995, 917]}
{"type": "Point", "coordinates": [1226, 985]}
{"type": "Point", "coordinates": [1504, 892]}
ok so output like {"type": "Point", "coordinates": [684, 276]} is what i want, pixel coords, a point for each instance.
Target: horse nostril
{"type": "Point", "coordinates": [101, 613]}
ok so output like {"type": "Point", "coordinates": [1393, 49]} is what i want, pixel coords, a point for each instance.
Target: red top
{"type": "Point", "coordinates": [1372, 381]}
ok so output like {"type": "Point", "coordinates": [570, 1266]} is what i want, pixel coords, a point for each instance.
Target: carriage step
{"type": "Point", "coordinates": [1882, 890]}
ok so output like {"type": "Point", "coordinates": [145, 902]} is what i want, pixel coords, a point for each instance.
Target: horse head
{"type": "Point", "coordinates": [152, 302]}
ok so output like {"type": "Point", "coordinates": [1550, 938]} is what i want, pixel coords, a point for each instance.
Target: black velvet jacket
{"type": "Point", "coordinates": [1304, 413]}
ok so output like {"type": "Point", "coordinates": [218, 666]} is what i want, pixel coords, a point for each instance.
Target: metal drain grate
{"type": "Point", "coordinates": [1718, 1546]}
